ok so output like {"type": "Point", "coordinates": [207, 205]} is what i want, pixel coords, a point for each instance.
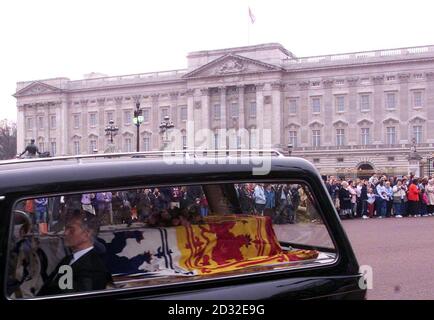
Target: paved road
{"type": "Point", "coordinates": [401, 253]}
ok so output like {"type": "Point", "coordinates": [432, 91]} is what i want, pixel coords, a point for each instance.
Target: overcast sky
{"type": "Point", "coordinates": [54, 38]}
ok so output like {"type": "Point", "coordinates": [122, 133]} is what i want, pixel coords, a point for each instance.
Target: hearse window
{"type": "Point", "coordinates": [151, 236]}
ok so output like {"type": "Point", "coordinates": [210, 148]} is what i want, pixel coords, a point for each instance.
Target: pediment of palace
{"type": "Point", "coordinates": [36, 88]}
{"type": "Point", "coordinates": [231, 64]}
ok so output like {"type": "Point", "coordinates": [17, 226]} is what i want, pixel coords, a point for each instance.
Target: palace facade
{"type": "Point", "coordinates": [346, 113]}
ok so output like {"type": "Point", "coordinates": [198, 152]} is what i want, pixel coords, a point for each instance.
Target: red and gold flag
{"type": "Point", "coordinates": [229, 243]}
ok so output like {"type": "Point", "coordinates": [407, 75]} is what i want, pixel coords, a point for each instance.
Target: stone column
{"type": "Point", "coordinates": [100, 125]}
{"type": "Point", "coordinates": [259, 114]}
{"type": "Point", "coordinates": [404, 105]}
{"type": "Point", "coordinates": [118, 139]}
{"type": "Point", "coordinates": [174, 114]}
{"type": "Point", "coordinates": [62, 117]}
{"type": "Point", "coordinates": [223, 119]}
{"type": "Point", "coordinates": [276, 118]}
{"type": "Point", "coordinates": [20, 128]}
{"type": "Point", "coordinates": [206, 116]}
{"type": "Point", "coordinates": [205, 108]}
{"type": "Point", "coordinates": [155, 120]}
{"type": "Point", "coordinates": [428, 104]}
{"type": "Point", "coordinates": [351, 106]}
{"type": "Point", "coordinates": [241, 108]}
{"type": "Point", "coordinates": [190, 129]}
{"type": "Point", "coordinates": [305, 111]}
{"type": "Point", "coordinates": [328, 111]}
{"type": "Point", "coordinates": [84, 127]}
{"type": "Point", "coordinates": [85, 123]}
{"type": "Point", "coordinates": [378, 109]}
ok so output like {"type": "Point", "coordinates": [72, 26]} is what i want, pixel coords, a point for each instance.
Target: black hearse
{"type": "Point", "coordinates": [231, 226]}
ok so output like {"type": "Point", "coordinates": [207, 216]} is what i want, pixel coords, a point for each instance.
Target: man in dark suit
{"type": "Point", "coordinates": [88, 269]}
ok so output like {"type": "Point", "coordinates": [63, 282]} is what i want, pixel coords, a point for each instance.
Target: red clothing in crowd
{"type": "Point", "coordinates": [413, 193]}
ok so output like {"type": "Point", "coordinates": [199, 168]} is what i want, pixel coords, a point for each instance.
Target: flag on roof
{"type": "Point", "coordinates": [252, 17]}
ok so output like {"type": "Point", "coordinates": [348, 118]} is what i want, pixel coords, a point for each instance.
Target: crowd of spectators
{"type": "Point", "coordinates": [166, 206]}
{"type": "Point", "coordinates": [381, 196]}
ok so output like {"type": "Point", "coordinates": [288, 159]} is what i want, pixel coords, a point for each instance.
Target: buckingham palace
{"type": "Point", "coordinates": [343, 112]}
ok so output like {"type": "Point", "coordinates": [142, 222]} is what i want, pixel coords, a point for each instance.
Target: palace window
{"type": "Point", "coordinates": [145, 114]}
{"type": "Point", "coordinates": [390, 100]}
{"type": "Point", "coordinates": [92, 146]}
{"type": "Point", "coordinates": [417, 133]}
{"type": "Point", "coordinates": [41, 123]}
{"type": "Point", "coordinates": [390, 135]}
{"type": "Point", "coordinates": [417, 99]}
{"type": "Point", "coordinates": [234, 109]}
{"type": "Point", "coordinates": [164, 112]}
{"type": "Point", "coordinates": [77, 147]}
{"type": "Point", "coordinates": [316, 105]}
{"type": "Point", "coordinates": [316, 138]}
{"type": "Point", "coordinates": [292, 106]}
{"type": "Point", "coordinates": [340, 137]}
{"type": "Point", "coordinates": [365, 136]}
{"type": "Point", "coordinates": [53, 148]}
{"type": "Point", "coordinates": [340, 103]}
{"type": "Point", "coordinates": [216, 111]}
{"type": "Point", "coordinates": [128, 117]}
{"type": "Point", "coordinates": [183, 113]}
{"type": "Point", "coordinates": [146, 143]}
{"type": "Point", "coordinates": [293, 138]}
{"type": "Point", "coordinates": [364, 102]}
{"type": "Point", "coordinates": [29, 123]}
{"type": "Point", "coordinates": [128, 145]}
{"type": "Point", "coordinates": [76, 121]}
{"type": "Point", "coordinates": [92, 119]}
{"type": "Point", "coordinates": [109, 116]}
{"type": "Point", "coordinates": [253, 109]}
{"type": "Point", "coordinates": [53, 122]}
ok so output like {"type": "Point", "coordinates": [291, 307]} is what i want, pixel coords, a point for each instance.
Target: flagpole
{"type": "Point", "coordinates": [248, 30]}
{"type": "Point", "coordinates": [250, 20]}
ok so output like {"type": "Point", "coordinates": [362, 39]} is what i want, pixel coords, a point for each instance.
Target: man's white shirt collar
{"type": "Point", "coordinates": [77, 255]}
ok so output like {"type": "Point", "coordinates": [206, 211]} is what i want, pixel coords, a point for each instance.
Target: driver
{"type": "Point", "coordinates": [88, 269]}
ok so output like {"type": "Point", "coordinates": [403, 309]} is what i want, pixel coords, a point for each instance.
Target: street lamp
{"type": "Point", "coordinates": [137, 120]}
{"type": "Point", "coordinates": [111, 130]}
{"type": "Point", "coordinates": [165, 125]}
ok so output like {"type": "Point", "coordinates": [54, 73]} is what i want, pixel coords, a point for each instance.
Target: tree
{"type": "Point", "coordinates": [8, 139]}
